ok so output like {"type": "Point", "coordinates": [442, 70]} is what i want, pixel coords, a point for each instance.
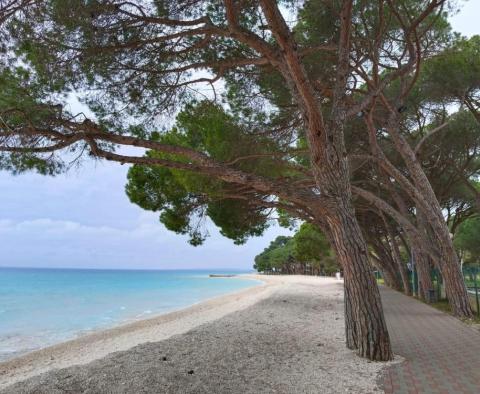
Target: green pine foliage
{"type": "Point", "coordinates": [308, 246]}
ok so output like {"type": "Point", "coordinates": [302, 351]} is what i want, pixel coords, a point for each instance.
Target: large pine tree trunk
{"type": "Point", "coordinates": [430, 209]}
{"type": "Point", "coordinates": [423, 271]}
{"type": "Point", "coordinates": [449, 265]}
{"type": "Point", "coordinates": [330, 169]}
{"type": "Point", "coordinates": [366, 330]}
{"type": "Point", "coordinates": [455, 288]}
{"type": "Point", "coordinates": [331, 172]}
{"type": "Point", "coordinates": [385, 263]}
{"type": "Point", "coordinates": [391, 279]}
{"type": "Point", "coordinates": [389, 274]}
{"type": "Point", "coordinates": [401, 266]}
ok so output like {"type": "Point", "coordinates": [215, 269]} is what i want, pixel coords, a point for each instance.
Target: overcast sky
{"type": "Point", "coordinates": [84, 219]}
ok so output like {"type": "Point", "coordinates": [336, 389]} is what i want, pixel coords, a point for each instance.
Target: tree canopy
{"type": "Point", "coordinates": [308, 247]}
{"type": "Point", "coordinates": [467, 240]}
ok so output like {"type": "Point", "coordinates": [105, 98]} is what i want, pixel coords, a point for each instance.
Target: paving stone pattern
{"type": "Point", "coordinates": [442, 353]}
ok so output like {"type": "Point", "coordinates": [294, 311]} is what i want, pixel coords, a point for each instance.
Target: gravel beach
{"type": "Point", "coordinates": [286, 336]}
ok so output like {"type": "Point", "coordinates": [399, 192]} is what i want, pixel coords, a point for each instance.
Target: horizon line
{"type": "Point", "coordinates": [129, 269]}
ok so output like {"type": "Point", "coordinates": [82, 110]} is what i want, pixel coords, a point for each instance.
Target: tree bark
{"type": "Point", "coordinates": [423, 271]}
{"type": "Point", "coordinates": [351, 334]}
{"type": "Point", "coordinates": [402, 267]}
{"type": "Point", "coordinates": [429, 206]}
{"type": "Point", "coordinates": [449, 267]}
{"type": "Point", "coordinates": [385, 263]}
{"type": "Point", "coordinates": [330, 170]}
{"type": "Point", "coordinates": [397, 258]}
{"type": "Point", "coordinates": [391, 279]}
{"type": "Point", "coordinates": [366, 330]}
{"type": "Point", "coordinates": [455, 288]}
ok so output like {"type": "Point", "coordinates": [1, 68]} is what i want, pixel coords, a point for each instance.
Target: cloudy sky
{"type": "Point", "coordinates": [84, 219]}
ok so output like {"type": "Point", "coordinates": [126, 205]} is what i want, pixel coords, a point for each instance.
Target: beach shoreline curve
{"type": "Point", "coordinates": [99, 343]}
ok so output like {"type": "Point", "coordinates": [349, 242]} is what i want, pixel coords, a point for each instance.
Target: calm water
{"type": "Point", "coordinates": [40, 307]}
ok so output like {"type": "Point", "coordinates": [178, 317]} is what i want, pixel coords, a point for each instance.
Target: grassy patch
{"type": "Point", "coordinates": [444, 306]}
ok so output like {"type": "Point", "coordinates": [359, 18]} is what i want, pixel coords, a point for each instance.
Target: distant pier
{"type": "Point", "coordinates": [221, 275]}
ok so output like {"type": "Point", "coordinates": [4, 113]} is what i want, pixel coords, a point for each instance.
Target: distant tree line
{"type": "Point", "coordinates": [307, 252]}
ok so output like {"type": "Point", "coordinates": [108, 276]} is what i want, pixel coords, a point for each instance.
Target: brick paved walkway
{"type": "Point", "coordinates": [442, 354]}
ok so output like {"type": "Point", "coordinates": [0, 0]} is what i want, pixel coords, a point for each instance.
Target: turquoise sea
{"type": "Point", "coordinates": [41, 307]}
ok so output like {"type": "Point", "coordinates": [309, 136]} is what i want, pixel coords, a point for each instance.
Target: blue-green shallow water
{"type": "Point", "coordinates": [41, 307]}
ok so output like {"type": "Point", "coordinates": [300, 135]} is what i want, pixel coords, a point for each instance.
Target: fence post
{"type": "Point", "coordinates": [476, 291]}
{"type": "Point", "coordinates": [415, 282]}
{"type": "Point", "coordinates": [439, 288]}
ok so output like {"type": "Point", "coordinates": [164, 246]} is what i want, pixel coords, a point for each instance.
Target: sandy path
{"type": "Point", "coordinates": [284, 337]}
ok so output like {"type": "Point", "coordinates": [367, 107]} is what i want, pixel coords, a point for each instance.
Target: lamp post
{"type": "Point", "coordinates": [411, 267]}
{"type": "Point", "coordinates": [415, 293]}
